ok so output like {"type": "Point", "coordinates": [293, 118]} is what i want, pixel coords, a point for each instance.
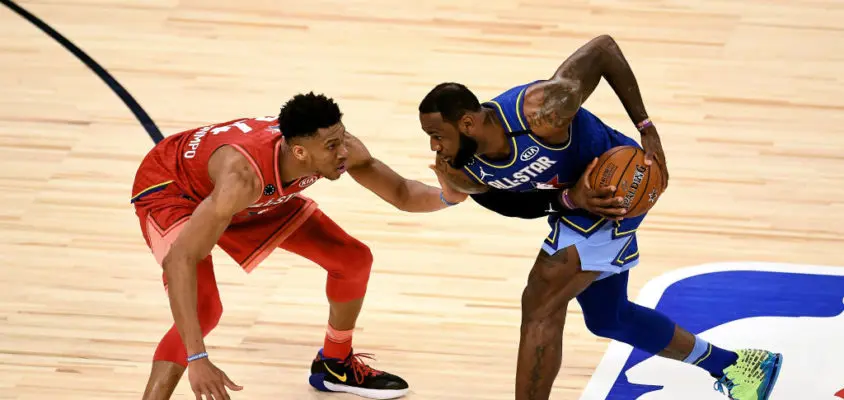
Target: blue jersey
{"type": "Point", "coordinates": [533, 164]}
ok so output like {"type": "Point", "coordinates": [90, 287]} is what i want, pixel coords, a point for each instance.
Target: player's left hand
{"type": "Point", "coordinates": [653, 152]}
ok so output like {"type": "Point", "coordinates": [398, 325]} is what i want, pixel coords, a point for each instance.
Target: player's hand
{"type": "Point", "coordinates": [598, 201]}
{"type": "Point", "coordinates": [653, 151]}
{"type": "Point", "coordinates": [455, 184]}
{"type": "Point", "coordinates": [209, 382]}
{"type": "Point", "coordinates": [450, 193]}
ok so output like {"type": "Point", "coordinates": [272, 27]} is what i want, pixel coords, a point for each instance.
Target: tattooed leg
{"type": "Point", "coordinates": [540, 357]}
{"type": "Point", "coordinates": [553, 282]}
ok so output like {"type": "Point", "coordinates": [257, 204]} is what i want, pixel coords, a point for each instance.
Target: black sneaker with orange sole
{"type": "Point", "coordinates": [353, 376]}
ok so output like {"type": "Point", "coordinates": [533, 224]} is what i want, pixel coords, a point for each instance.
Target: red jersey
{"type": "Point", "coordinates": [181, 160]}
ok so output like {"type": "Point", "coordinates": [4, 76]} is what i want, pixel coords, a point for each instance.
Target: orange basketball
{"type": "Point", "coordinates": [638, 184]}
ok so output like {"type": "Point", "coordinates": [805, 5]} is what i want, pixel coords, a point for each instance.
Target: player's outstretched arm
{"type": "Point", "coordinates": [235, 187]}
{"type": "Point", "coordinates": [404, 194]}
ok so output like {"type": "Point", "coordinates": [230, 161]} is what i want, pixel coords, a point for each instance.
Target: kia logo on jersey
{"type": "Point", "coordinates": [529, 153]}
{"type": "Point", "coordinates": [308, 181]}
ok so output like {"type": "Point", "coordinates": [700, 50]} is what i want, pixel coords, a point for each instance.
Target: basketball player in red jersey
{"type": "Point", "coordinates": [237, 185]}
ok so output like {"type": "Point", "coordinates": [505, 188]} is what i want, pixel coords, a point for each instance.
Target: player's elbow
{"type": "Point", "coordinates": [401, 198]}
{"type": "Point", "coordinates": [605, 43]}
{"type": "Point", "coordinates": [602, 41]}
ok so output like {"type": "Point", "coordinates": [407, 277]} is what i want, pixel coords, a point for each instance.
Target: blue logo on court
{"type": "Point", "coordinates": [797, 310]}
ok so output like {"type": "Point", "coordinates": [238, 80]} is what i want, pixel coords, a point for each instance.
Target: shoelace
{"type": "Point", "coordinates": [722, 383]}
{"type": "Point", "coordinates": [360, 368]}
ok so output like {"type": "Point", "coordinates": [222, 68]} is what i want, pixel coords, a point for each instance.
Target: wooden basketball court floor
{"type": "Point", "coordinates": [746, 95]}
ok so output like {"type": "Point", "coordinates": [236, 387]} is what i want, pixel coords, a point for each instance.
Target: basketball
{"type": "Point", "coordinates": [638, 184]}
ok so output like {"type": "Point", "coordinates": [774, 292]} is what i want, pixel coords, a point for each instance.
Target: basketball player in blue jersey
{"type": "Point", "coordinates": [536, 141]}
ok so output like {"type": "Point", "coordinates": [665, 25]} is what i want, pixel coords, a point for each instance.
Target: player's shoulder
{"type": "Point", "coordinates": [510, 105]}
{"type": "Point", "coordinates": [537, 91]}
{"type": "Point", "coordinates": [245, 125]}
{"type": "Point", "coordinates": [270, 121]}
{"type": "Point", "coordinates": [258, 137]}
{"type": "Point", "coordinates": [228, 161]}
{"type": "Point", "coordinates": [268, 125]}
{"type": "Point", "coordinates": [514, 93]}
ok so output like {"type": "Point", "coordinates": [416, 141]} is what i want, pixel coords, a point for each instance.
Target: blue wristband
{"type": "Point", "coordinates": [446, 202]}
{"type": "Point", "coordinates": [197, 356]}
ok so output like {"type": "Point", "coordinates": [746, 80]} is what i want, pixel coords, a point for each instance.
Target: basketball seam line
{"type": "Point", "coordinates": [640, 188]}
{"type": "Point", "coordinates": [628, 166]}
{"type": "Point", "coordinates": [600, 167]}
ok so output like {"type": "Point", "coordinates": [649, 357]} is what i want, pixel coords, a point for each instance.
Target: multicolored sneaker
{"type": "Point", "coordinates": [353, 376]}
{"type": "Point", "coordinates": [752, 376]}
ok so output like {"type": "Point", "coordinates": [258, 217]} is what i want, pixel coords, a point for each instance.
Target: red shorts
{"type": "Point", "coordinates": [162, 216]}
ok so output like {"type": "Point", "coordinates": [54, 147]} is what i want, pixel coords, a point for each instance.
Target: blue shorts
{"type": "Point", "coordinates": [606, 246]}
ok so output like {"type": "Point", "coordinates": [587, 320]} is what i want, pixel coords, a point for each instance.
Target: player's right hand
{"type": "Point", "coordinates": [598, 201]}
{"type": "Point", "coordinates": [209, 382]}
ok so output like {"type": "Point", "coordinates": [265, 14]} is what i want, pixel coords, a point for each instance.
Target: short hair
{"type": "Point", "coordinates": [452, 100]}
{"type": "Point", "coordinates": [302, 115]}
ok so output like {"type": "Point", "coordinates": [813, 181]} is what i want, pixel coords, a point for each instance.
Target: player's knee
{"type": "Point", "coordinates": [348, 278]}
{"type": "Point", "coordinates": [540, 318]}
{"type": "Point", "coordinates": [357, 260]}
{"type": "Point", "coordinates": [209, 309]}
{"type": "Point", "coordinates": [609, 323]}
{"type": "Point", "coordinates": [540, 304]}
{"type": "Point", "coordinates": [553, 282]}
{"type": "Point", "coordinates": [607, 327]}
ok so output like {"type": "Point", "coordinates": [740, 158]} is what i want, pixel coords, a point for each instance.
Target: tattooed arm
{"type": "Point", "coordinates": [551, 105]}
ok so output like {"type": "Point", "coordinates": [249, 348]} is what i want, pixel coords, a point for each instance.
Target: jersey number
{"type": "Point", "coordinates": [241, 125]}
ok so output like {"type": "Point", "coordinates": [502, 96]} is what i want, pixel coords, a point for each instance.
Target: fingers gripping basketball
{"type": "Point", "coordinates": [638, 184]}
